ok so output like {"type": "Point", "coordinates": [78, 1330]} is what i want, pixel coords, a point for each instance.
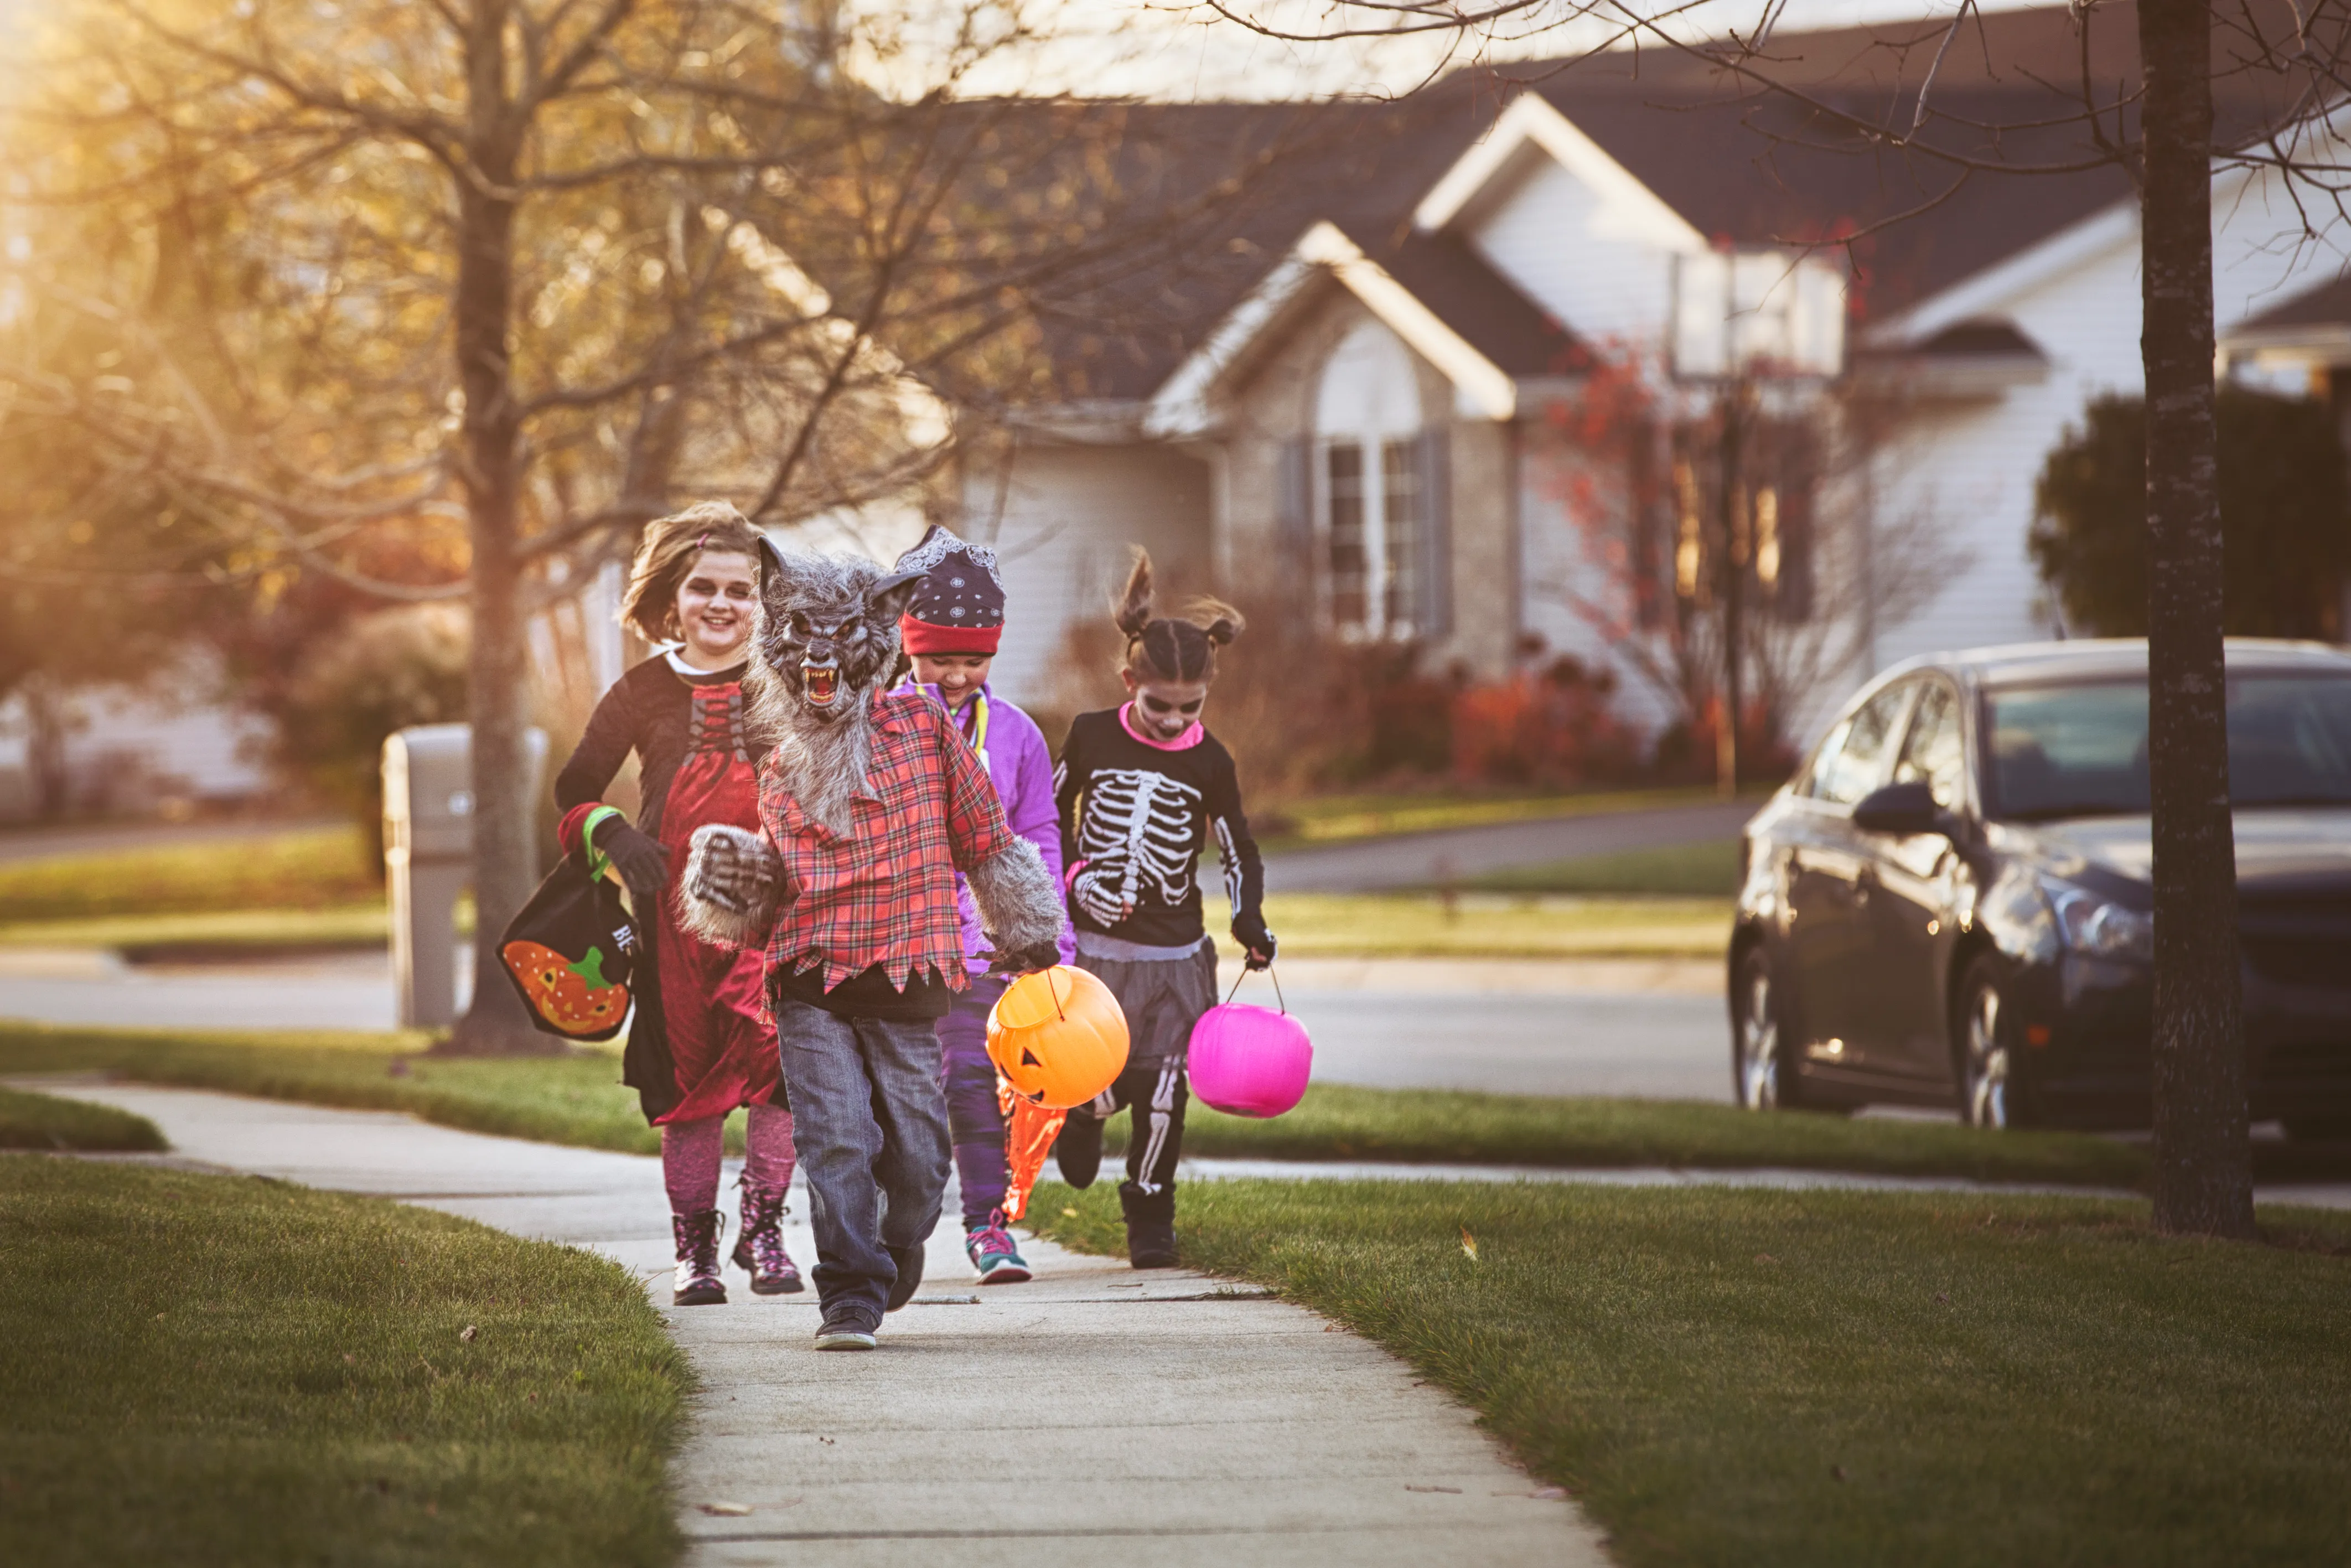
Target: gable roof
{"type": "Point", "coordinates": [1432, 291]}
{"type": "Point", "coordinates": [1714, 157]}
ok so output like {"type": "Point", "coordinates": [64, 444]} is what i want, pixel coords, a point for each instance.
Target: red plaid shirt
{"type": "Point", "coordinates": [887, 894]}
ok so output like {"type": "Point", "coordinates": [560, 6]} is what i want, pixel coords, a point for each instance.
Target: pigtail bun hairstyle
{"type": "Point", "coordinates": [668, 552]}
{"type": "Point", "coordinates": [1171, 648]}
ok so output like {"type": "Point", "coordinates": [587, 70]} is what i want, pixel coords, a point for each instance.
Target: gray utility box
{"type": "Point", "coordinates": [428, 853]}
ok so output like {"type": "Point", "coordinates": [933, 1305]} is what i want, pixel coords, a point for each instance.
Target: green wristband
{"type": "Point", "coordinates": [598, 860]}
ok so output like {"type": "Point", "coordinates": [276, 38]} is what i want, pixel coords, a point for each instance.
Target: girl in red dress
{"type": "Point", "coordinates": [702, 1043]}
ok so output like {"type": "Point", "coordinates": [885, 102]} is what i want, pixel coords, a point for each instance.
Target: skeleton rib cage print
{"type": "Point", "coordinates": [1138, 831]}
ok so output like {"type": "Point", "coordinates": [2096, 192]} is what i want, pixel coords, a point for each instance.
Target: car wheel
{"type": "Point", "coordinates": [1759, 1045]}
{"type": "Point", "coordinates": [1991, 1089]}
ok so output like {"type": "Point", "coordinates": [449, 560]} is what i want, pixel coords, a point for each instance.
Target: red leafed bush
{"type": "Point", "coordinates": [1552, 727]}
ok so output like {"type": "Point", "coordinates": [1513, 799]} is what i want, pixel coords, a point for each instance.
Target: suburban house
{"type": "Point", "coordinates": [1364, 389]}
{"type": "Point", "coordinates": [1358, 411]}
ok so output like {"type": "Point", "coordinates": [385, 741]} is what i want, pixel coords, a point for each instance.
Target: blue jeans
{"type": "Point", "coordinates": [870, 1128]}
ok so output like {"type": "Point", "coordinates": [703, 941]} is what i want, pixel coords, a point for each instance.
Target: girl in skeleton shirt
{"type": "Point", "coordinates": [1141, 789]}
{"type": "Point", "coordinates": [701, 1043]}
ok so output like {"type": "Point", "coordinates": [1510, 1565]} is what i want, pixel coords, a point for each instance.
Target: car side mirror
{"type": "Point", "coordinates": [1903, 809]}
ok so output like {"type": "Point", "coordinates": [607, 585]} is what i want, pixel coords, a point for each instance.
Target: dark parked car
{"type": "Point", "coordinates": [1949, 903]}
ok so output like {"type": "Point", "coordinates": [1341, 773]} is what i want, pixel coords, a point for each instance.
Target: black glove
{"type": "Point", "coordinates": [1249, 930]}
{"type": "Point", "coordinates": [1024, 960]}
{"type": "Point", "coordinates": [642, 860]}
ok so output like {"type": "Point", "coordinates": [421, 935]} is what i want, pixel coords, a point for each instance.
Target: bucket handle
{"type": "Point", "coordinates": [1246, 973]}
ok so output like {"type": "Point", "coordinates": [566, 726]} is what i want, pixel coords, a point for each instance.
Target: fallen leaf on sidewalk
{"type": "Point", "coordinates": [727, 1510]}
{"type": "Point", "coordinates": [1468, 1244]}
{"type": "Point", "coordinates": [1454, 1490]}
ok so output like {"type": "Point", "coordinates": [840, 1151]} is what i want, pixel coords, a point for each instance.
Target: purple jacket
{"type": "Point", "coordinates": [1022, 767]}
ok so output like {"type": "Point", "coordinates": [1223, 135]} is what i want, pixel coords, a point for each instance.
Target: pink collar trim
{"type": "Point", "coordinates": [1184, 742]}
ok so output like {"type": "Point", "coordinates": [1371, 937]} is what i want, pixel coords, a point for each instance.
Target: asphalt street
{"type": "Point", "coordinates": [1423, 860]}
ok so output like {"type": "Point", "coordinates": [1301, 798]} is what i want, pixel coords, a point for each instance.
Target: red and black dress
{"type": "Point", "coordinates": [702, 1043]}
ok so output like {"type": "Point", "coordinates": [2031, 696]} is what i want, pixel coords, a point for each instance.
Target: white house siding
{"type": "Point", "coordinates": [1971, 466]}
{"type": "Point", "coordinates": [1578, 256]}
{"type": "Point", "coordinates": [129, 752]}
{"type": "Point", "coordinates": [1559, 568]}
{"type": "Point", "coordinates": [1067, 517]}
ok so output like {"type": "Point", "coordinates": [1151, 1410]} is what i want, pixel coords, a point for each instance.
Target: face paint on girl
{"type": "Point", "coordinates": [958, 676]}
{"type": "Point", "coordinates": [715, 603]}
{"type": "Point", "coordinates": [1165, 709]}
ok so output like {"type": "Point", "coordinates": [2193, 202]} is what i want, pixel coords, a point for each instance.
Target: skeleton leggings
{"type": "Point", "coordinates": [1161, 999]}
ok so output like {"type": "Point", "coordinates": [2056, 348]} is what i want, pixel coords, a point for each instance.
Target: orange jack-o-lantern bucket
{"type": "Point", "coordinates": [1058, 1037]}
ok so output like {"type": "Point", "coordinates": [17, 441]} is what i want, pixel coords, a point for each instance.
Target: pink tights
{"type": "Point", "coordinates": [691, 1151]}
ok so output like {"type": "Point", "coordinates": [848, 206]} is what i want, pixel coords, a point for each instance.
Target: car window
{"type": "Point", "coordinates": [1932, 752]}
{"type": "Point", "coordinates": [2081, 751]}
{"type": "Point", "coordinates": [1852, 756]}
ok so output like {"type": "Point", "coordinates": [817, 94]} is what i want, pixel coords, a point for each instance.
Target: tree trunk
{"type": "Point", "coordinates": [49, 714]}
{"type": "Point", "coordinates": [495, 1023]}
{"type": "Point", "coordinates": [1730, 502]}
{"type": "Point", "coordinates": [2203, 1173]}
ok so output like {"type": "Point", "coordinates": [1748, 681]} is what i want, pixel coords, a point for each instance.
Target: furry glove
{"type": "Point", "coordinates": [1249, 930]}
{"type": "Point", "coordinates": [642, 860]}
{"type": "Point", "coordinates": [1020, 909]}
{"type": "Point", "coordinates": [734, 882]}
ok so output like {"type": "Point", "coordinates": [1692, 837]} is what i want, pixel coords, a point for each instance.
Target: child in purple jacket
{"type": "Point", "coordinates": [951, 630]}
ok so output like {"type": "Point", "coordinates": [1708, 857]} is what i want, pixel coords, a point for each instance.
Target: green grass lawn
{"type": "Point", "coordinates": [1744, 1377]}
{"type": "Point", "coordinates": [576, 1098]}
{"type": "Point", "coordinates": [1497, 925]}
{"type": "Point", "coordinates": [213, 934]}
{"type": "Point", "coordinates": [1339, 1121]}
{"type": "Point", "coordinates": [223, 1370]}
{"type": "Point", "coordinates": [46, 1122]}
{"type": "Point", "coordinates": [1709, 868]}
{"type": "Point", "coordinates": [310, 868]}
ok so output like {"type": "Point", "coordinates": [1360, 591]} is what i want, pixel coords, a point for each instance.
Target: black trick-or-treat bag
{"type": "Point", "coordinates": [570, 951]}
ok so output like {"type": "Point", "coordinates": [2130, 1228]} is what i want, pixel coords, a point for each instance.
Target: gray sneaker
{"type": "Point", "coordinates": [847, 1330]}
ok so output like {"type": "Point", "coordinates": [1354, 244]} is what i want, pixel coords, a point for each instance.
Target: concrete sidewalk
{"type": "Point", "coordinates": [1163, 1418]}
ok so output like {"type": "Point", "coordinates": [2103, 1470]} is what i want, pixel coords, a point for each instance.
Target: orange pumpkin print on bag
{"type": "Point", "coordinates": [571, 997]}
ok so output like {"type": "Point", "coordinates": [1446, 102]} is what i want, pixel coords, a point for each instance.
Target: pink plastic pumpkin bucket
{"type": "Point", "coordinates": [1249, 1060]}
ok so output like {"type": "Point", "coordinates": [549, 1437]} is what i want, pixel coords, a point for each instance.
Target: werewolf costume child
{"type": "Point", "coordinates": [870, 802]}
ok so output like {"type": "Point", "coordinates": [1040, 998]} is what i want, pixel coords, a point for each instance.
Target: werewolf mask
{"type": "Point", "coordinates": [827, 632]}
{"type": "Point", "coordinates": [825, 642]}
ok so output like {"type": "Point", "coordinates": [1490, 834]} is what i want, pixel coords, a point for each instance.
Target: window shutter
{"type": "Point", "coordinates": [1294, 502]}
{"type": "Point", "coordinates": [1436, 617]}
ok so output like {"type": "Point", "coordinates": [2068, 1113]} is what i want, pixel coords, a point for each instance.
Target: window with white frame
{"type": "Point", "coordinates": [1374, 516]}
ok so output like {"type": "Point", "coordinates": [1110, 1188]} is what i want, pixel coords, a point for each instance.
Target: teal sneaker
{"type": "Point", "coordinates": [992, 1252]}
